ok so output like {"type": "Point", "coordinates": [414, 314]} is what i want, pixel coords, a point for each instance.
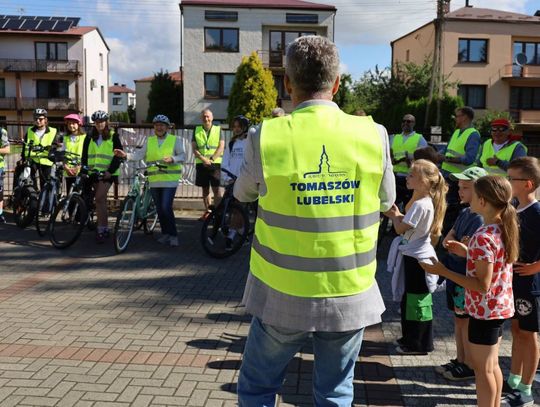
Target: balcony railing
{"type": "Point", "coordinates": [526, 71]}
{"type": "Point", "coordinates": [272, 59]}
{"type": "Point", "coordinates": [49, 104]}
{"type": "Point", "coordinates": [8, 104]}
{"type": "Point", "coordinates": [38, 65]}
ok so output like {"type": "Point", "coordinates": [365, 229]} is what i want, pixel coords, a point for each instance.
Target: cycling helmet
{"type": "Point", "coordinates": [100, 116]}
{"type": "Point", "coordinates": [161, 118]}
{"type": "Point", "coordinates": [40, 112]}
{"type": "Point", "coordinates": [244, 122]}
{"type": "Point", "coordinates": [75, 117]}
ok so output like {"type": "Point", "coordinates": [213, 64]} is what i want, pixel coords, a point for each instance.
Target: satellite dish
{"type": "Point", "coordinates": [521, 59]}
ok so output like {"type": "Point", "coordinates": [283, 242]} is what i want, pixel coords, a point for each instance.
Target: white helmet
{"type": "Point", "coordinates": [161, 118]}
{"type": "Point", "coordinates": [100, 115]}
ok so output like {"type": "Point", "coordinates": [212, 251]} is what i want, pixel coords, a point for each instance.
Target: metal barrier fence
{"type": "Point", "coordinates": [131, 137]}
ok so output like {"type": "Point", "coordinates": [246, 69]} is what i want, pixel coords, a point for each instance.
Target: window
{"type": "Point", "coordinates": [472, 50]}
{"type": "Point", "coordinates": [54, 51]}
{"type": "Point", "coordinates": [530, 49]}
{"type": "Point", "coordinates": [132, 101]}
{"type": "Point", "coordinates": [524, 98]}
{"type": "Point", "coordinates": [279, 41]}
{"type": "Point", "coordinates": [101, 62]}
{"type": "Point", "coordinates": [221, 39]}
{"type": "Point", "coordinates": [216, 15]}
{"type": "Point", "coordinates": [295, 18]}
{"type": "Point", "coordinates": [48, 89]}
{"type": "Point", "coordinates": [473, 95]}
{"type": "Point", "coordinates": [280, 86]}
{"type": "Point", "coordinates": [2, 88]}
{"type": "Point", "coordinates": [407, 55]}
{"type": "Point", "coordinates": [117, 101]}
{"type": "Point", "coordinates": [102, 94]}
{"type": "Point", "coordinates": [218, 85]}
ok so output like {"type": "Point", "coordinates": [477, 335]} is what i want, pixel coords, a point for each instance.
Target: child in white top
{"type": "Point", "coordinates": [234, 152]}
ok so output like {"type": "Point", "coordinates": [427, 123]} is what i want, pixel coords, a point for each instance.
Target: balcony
{"type": "Point", "coordinates": [49, 104]}
{"type": "Point", "coordinates": [38, 65]}
{"type": "Point", "coordinates": [521, 72]}
{"type": "Point", "coordinates": [272, 59]}
{"type": "Point", "coordinates": [8, 103]}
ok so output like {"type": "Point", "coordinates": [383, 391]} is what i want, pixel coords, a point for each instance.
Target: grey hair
{"type": "Point", "coordinates": [278, 112]}
{"type": "Point", "coordinates": [312, 64]}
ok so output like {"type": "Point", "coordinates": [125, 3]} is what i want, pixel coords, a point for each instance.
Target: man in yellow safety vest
{"type": "Point", "coordinates": [322, 177]}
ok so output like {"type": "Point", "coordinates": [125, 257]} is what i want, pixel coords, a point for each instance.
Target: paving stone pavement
{"type": "Point", "coordinates": [158, 326]}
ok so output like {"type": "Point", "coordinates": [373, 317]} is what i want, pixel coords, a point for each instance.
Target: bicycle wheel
{"type": "Point", "coordinates": [67, 221]}
{"type": "Point", "coordinates": [223, 234]}
{"type": "Point", "coordinates": [25, 206]}
{"type": "Point", "coordinates": [151, 219]}
{"type": "Point", "coordinates": [125, 221]}
{"type": "Point", "coordinates": [43, 215]}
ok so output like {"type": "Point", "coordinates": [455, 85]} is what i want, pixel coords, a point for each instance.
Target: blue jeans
{"type": "Point", "coordinates": [269, 350]}
{"type": "Point", "coordinates": [163, 198]}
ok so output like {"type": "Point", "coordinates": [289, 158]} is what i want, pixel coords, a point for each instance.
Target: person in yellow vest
{"type": "Point", "coordinates": [322, 178]}
{"type": "Point", "coordinates": [208, 144]}
{"type": "Point", "coordinates": [461, 151]}
{"type": "Point", "coordinates": [166, 149]}
{"type": "Point", "coordinates": [498, 151]}
{"type": "Point", "coordinates": [43, 135]}
{"type": "Point", "coordinates": [98, 155]}
{"type": "Point", "coordinates": [4, 151]}
{"type": "Point", "coordinates": [402, 148]}
{"type": "Point", "coordinates": [73, 141]}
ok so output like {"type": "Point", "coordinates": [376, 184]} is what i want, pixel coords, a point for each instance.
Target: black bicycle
{"type": "Point", "coordinates": [74, 211]}
{"type": "Point", "coordinates": [228, 226]}
{"type": "Point", "coordinates": [24, 199]}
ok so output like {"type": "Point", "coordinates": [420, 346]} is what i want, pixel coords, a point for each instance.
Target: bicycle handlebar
{"type": "Point", "coordinates": [230, 174]}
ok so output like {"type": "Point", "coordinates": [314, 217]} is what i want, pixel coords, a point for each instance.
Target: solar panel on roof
{"type": "Point", "coordinates": [62, 26]}
{"type": "Point", "coordinates": [30, 25]}
{"type": "Point", "coordinates": [13, 24]}
{"type": "Point", "coordinates": [46, 25]}
{"type": "Point", "coordinates": [2, 22]}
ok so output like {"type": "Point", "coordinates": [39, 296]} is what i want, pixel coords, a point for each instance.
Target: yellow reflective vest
{"type": "Point", "coordinates": [504, 154]}
{"type": "Point", "coordinates": [75, 147]}
{"type": "Point", "coordinates": [401, 149]}
{"type": "Point", "coordinates": [207, 145]}
{"type": "Point", "coordinates": [155, 154]}
{"type": "Point", "coordinates": [100, 157]}
{"type": "Point", "coordinates": [456, 148]}
{"type": "Point", "coordinates": [45, 141]}
{"type": "Point", "coordinates": [317, 223]}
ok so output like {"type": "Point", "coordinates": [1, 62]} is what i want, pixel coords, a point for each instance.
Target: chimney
{"type": "Point", "coordinates": [537, 14]}
{"type": "Point", "coordinates": [123, 85]}
{"type": "Point", "coordinates": [446, 7]}
{"type": "Point", "coordinates": [116, 84]}
{"type": "Point", "coordinates": [467, 4]}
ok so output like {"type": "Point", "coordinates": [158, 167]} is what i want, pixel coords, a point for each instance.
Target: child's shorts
{"type": "Point", "coordinates": [527, 305]}
{"type": "Point", "coordinates": [485, 331]}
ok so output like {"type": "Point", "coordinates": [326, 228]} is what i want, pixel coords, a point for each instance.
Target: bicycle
{"type": "Point", "coordinates": [24, 199]}
{"type": "Point", "coordinates": [137, 209]}
{"type": "Point", "coordinates": [72, 213]}
{"type": "Point", "coordinates": [228, 226]}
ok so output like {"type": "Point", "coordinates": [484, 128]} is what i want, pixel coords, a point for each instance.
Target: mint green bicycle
{"type": "Point", "coordinates": [138, 210]}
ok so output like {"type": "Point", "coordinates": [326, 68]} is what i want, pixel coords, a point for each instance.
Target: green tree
{"type": "Point", "coordinates": [165, 97]}
{"type": "Point", "coordinates": [120, 117]}
{"type": "Point", "coordinates": [253, 93]}
{"type": "Point", "coordinates": [344, 97]}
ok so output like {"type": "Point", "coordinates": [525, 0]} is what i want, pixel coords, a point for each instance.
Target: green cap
{"type": "Point", "coordinates": [470, 174]}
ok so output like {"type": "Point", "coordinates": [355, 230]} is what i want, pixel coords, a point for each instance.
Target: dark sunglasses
{"type": "Point", "coordinates": [40, 118]}
{"type": "Point", "coordinates": [517, 179]}
{"type": "Point", "coordinates": [501, 129]}
{"type": "Point", "coordinates": [407, 121]}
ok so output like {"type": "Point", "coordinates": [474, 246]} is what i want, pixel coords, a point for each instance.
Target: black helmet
{"type": "Point", "coordinates": [244, 122]}
{"type": "Point", "coordinates": [100, 115]}
{"type": "Point", "coordinates": [40, 112]}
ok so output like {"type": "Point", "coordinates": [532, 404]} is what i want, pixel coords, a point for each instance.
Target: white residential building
{"type": "Point", "coordinates": [216, 34]}
{"type": "Point", "coordinates": [52, 63]}
{"type": "Point", "coordinates": [120, 98]}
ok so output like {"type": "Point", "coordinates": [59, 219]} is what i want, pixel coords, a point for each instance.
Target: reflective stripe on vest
{"type": "Point", "coordinates": [456, 148]}
{"type": "Point", "coordinates": [504, 154]}
{"type": "Point", "coordinates": [400, 149]}
{"type": "Point", "coordinates": [45, 141]}
{"type": "Point", "coordinates": [100, 157]}
{"type": "Point", "coordinates": [74, 147]}
{"type": "Point", "coordinates": [207, 145]}
{"type": "Point", "coordinates": [155, 153]}
{"type": "Point", "coordinates": [316, 229]}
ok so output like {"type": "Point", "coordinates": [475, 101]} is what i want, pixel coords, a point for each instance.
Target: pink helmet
{"type": "Point", "coordinates": [74, 117]}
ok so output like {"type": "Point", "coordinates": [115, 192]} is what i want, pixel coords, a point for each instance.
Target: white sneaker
{"type": "Point", "coordinates": [164, 239]}
{"type": "Point", "coordinates": [173, 241]}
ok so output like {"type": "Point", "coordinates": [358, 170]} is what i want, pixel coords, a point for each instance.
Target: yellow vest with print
{"type": "Point", "coordinates": [207, 145]}
{"type": "Point", "coordinates": [400, 149]}
{"type": "Point", "coordinates": [46, 141]}
{"type": "Point", "coordinates": [100, 157]}
{"type": "Point", "coordinates": [317, 223]}
{"type": "Point", "coordinates": [456, 148]}
{"type": "Point", "coordinates": [2, 161]}
{"type": "Point", "coordinates": [155, 154]}
{"type": "Point", "coordinates": [504, 154]}
{"type": "Point", "coordinates": [75, 147]}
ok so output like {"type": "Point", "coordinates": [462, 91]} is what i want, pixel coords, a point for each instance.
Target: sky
{"type": "Point", "coordinates": [144, 35]}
